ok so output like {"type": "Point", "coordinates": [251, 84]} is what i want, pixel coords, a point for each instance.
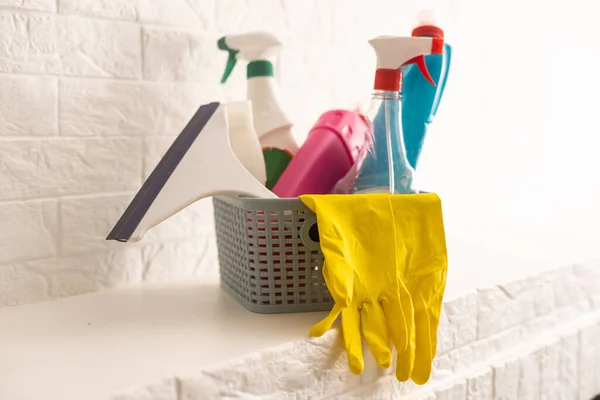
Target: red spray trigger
{"type": "Point", "coordinates": [420, 61]}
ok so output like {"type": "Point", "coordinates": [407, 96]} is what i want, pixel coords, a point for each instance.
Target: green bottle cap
{"type": "Point", "coordinates": [259, 68]}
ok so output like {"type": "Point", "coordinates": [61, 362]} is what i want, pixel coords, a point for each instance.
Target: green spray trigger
{"type": "Point", "coordinates": [231, 60]}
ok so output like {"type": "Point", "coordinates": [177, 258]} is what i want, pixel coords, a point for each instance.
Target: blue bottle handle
{"type": "Point", "coordinates": [421, 101]}
{"type": "Point", "coordinates": [443, 79]}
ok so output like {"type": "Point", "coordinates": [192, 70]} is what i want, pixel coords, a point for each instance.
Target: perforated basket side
{"type": "Point", "coordinates": [231, 234]}
{"type": "Point", "coordinates": [281, 265]}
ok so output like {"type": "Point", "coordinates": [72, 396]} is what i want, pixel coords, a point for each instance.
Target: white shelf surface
{"type": "Point", "coordinates": [109, 341]}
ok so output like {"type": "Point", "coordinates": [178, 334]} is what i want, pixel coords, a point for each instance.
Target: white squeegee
{"type": "Point", "coordinates": [200, 163]}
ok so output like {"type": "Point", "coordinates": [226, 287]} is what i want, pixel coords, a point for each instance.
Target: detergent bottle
{"type": "Point", "coordinates": [330, 150]}
{"type": "Point", "coordinates": [273, 126]}
{"type": "Point", "coordinates": [243, 138]}
{"type": "Point", "coordinates": [420, 99]}
{"type": "Point", "coordinates": [382, 165]}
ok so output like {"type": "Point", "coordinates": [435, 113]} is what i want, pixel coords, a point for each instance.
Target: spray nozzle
{"type": "Point", "coordinates": [251, 46]}
{"type": "Point", "coordinates": [394, 52]}
{"type": "Point", "coordinates": [231, 59]}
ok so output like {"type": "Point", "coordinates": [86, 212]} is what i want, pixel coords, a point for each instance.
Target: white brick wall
{"type": "Point", "coordinates": [91, 95]}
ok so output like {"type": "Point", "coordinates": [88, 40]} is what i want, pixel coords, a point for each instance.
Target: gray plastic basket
{"type": "Point", "coordinates": [270, 259]}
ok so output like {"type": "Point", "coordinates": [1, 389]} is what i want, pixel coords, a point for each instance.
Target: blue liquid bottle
{"type": "Point", "coordinates": [382, 165]}
{"type": "Point", "coordinates": [421, 99]}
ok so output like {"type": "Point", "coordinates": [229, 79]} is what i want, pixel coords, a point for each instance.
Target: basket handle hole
{"type": "Point", "coordinates": [313, 233]}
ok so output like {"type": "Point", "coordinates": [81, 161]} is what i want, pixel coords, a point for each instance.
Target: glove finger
{"type": "Point", "coordinates": [325, 324]}
{"type": "Point", "coordinates": [423, 351]}
{"type": "Point", "coordinates": [406, 364]}
{"type": "Point", "coordinates": [352, 340]}
{"type": "Point", "coordinates": [375, 332]}
{"type": "Point", "coordinates": [435, 309]}
{"type": "Point", "coordinates": [427, 318]}
{"type": "Point", "coordinates": [399, 316]}
{"type": "Point", "coordinates": [434, 321]}
{"type": "Point", "coordinates": [406, 359]}
{"type": "Point", "coordinates": [339, 282]}
{"type": "Point", "coordinates": [400, 312]}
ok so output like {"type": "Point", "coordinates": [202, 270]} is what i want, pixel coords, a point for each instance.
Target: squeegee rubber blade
{"type": "Point", "coordinates": [143, 200]}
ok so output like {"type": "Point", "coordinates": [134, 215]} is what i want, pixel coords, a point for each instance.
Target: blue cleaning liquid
{"type": "Point", "coordinates": [408, 116]}
{"type": "Point", "coordinates": [374, 173]}
{"type": "Point", "coordinates": [420, 102]}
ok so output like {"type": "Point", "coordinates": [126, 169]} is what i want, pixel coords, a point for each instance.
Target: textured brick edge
{"type": "Point", "coordinates": [511, 351]}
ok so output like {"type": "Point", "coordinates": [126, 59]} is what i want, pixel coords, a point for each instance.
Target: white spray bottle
{"type": "Point", "coordinates": [273, 127]}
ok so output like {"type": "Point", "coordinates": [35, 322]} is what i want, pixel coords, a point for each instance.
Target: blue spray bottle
{"type": "Point", "coordinates": [421, 99]}
{"type": "Point", "coordinates": [382, 165]}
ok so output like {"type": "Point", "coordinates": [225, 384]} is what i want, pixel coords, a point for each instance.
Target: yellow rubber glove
{"type": "Point", "coordinates": [420, 229]}
{"type": "Point", "coordinates": [363, 271]}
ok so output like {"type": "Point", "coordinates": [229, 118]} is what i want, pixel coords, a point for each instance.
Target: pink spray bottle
{"type": "Point", "coordinates": [330, 150]}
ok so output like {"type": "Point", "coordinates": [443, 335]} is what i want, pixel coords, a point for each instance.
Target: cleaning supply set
{"type": "Point", "coordinates": [342, 228]}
